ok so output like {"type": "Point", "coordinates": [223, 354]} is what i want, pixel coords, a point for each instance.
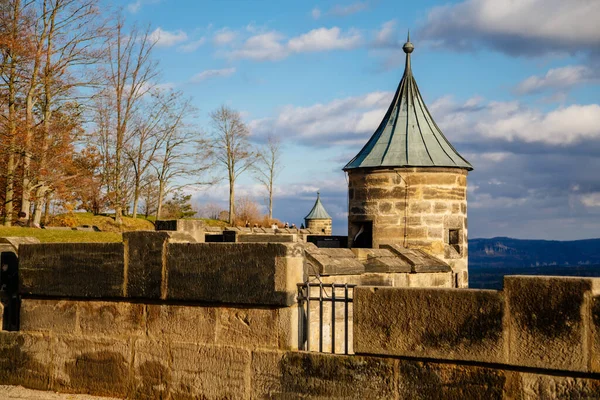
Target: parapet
{"type": "Point", "coordinates": [150, 266]}
{"type": "Point", "coordinates": [535, 322]}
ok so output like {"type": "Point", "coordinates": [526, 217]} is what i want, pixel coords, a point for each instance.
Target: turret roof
{"type": "Point", "coordinates": [318, 211]}
{"type": "Point", "coordinates": [408, 136]}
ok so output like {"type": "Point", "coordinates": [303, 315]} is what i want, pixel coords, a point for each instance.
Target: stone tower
{"type": "Point", "coordinates": [408, 185]}
{"type": "Point", "coordinates": [318, 219]}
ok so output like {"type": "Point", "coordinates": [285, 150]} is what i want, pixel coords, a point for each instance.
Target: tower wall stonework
{"type": "Point", "coordinates": [319, 225]}
{"type": "Point", "coordinates": [423, 208]}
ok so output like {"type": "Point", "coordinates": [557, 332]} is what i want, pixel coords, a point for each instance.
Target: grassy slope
{"type": "Point", "coordinates": [111, 232]}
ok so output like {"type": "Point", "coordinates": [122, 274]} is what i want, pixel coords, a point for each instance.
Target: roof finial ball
{"type": "Point", "coordinates": [408, 46]}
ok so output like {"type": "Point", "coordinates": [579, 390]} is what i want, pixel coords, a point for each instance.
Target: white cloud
{"type": "Point", "coordinates": [591, 199]}
{"type": "Point", "coordinates": [324, 39]}
{"type": "Point", "coordinates": [166, 39]}
{"type": "Point", "coordinates": [193, 45]}
{"type": "Point", "coordinates": [272, 46]}
{"type": "Point", "coordinates": [316, 13]}
{"type": "Point", "coordinates": [137, 5]}
{"type": "Point", "coordinates": [558, 79]}
{"type": "Point", "coordinates": [212, 73]}
{"type": "Point", "coordinates": [224, 36]}
{"type": "Point", "coordinates": [516, 27]}
{"type": "Point", "coordinates": [266, 46]}
{"type": "Point", "coordinates": [341, 121]}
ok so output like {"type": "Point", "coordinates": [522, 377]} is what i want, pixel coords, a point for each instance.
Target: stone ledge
{"type": "Point", "coordinates": [429, 323]}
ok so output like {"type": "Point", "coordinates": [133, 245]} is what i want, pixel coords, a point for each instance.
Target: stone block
{"type": "Point", "coordinates": [25, 359]}
{"type": "Point", "coordinates": [181, 323]}
{"type": "Point", "coordinates": [152, 373]}
{"type": "Point", "coordinates": [145, 251]}
{"type": "Point", "coordinates": [332, 261]}
{"type": "Point", "coordinates": [91, 365]}
{"type": "Point", "coordinates": [594, 321]}
{"type": "Point", "coordinates": [72, 269]}
{"type": "Point", "coordinates": [287, 318]}
{"type": "Point", "coordinates": [419, 260]}
{"type": "Point", "coordinates": [13, 242]}
{"type": "Point", "coordinates": [247, 327]}
{"type": "Point", "coordinates": [56, 316]}
{"type": "Point", "coordinates": [419, 207]}
{"type": "Point", "coordinates": [321, 376]}
{"type": "Point", "coordinates": [431, 280]}
{"type": "Point", "coordinates": [537, 386]}
{"type": "Point", "coordinates": [243, 273]}
{"type": "Point", "coordinates": [425, 381]}
{"type": "Point", "coordinates": [209, 372]}
{"type": "Point", "coordinates": [266, 238]}
{"type": "Point", "coordinates": [547, 321]}
{"type": "Point", "coordinates": [382, 260]}
{"type": "Point", "coordinates": [441, 207]}
{"type": "Point", "coordinates": [429, 323]}
{"type": "Point", "coordinates": [438, 193]}
{"type": "Point", "coordinates": [111, 319]}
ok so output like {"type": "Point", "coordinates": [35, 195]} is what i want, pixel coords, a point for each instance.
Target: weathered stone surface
{"type": "Point", "coordinates": [209, 372]}
{"type": "Point", "coordinates": [91, 365]}
{"type": "Point", "coordinates": [266, 238]}
{"type": "Point", "coordinates": [321, 376]}
{"type": "Point", "coordinates": [182, 323]}
{"type": "Point", "coordinates": [332, 261]}
{"type": "Point", "coordinates": [431, 381]}
{"type": "Point", "coordinates": [152, 373]}
{"type": "Point", "coordinates": [247, 327]}
{"type": "Point", "coordinates": [57, 316]}
{"type": "Point", "coordinates": [111, 318]}
{"type": "Point", "coordinates": [548, 321]}
{"type": "Point", "coordinates": [21, 393]}
{"type": "Point", "coordinates": [382, 260]}
{"type": "Point", "coordinates": [25, 359]}
{"type": "Point", "coordinates": [287, 319]}
{"type": "Point", "coordinates": [145, 263]}
{"type": "Point", "coordinates": [594, 321]}
{"type": "Point", "coordinates": [15, 241]}
{"type": "Point", "coordinates": [419, 260]}
{"type": "Point", "coordinates": [431, 280]}
{"type": "Point", "coordinates": [71, 269]}
{"type": "Point", "coordinates": [259, 274]}
{"type": "Point", "coordinates": [429, 323]}
{"type": "Point", "coordinates": [537, 386]}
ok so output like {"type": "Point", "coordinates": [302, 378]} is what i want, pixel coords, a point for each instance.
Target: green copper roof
{"type": "Point", "coordinates": [318, 211]}
{"type": "Point", "coordinates": [408, 136]}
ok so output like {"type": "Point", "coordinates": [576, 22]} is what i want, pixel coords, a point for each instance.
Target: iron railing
{"type": "Point", "coordinates": [305, 298]}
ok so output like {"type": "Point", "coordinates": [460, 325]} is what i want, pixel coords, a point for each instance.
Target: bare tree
{"type": "Point", "coordinates": [130, 75]}
{"type": "Point", "coordinates": [184, 156]}
{"type": "Point", "coordinates": [268, 166]}
{"type": "Point", "coordinates": [231, 148]}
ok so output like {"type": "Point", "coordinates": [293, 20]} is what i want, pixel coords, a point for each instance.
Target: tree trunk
{"type": "Point", "coordinates": [231, 202]}
{"type": "Point", "coordinates": [161, 190]}
{"type": "Point", "coordinates": [136, 199]}
{"type": "Point", "coordinates": [270, 204]}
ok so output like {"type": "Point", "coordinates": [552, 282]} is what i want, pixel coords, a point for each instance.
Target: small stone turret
{"type": "Point", "coordinates": [408, 185]}
{"type": "Point", "coordinates": [318, 219]}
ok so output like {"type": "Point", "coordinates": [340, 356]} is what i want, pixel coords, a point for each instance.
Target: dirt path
{"type": "Point", "coordinates": [20, 393]}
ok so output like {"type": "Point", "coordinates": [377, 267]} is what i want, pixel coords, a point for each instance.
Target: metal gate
{"type": "Point", "coordinates": [332, 304]}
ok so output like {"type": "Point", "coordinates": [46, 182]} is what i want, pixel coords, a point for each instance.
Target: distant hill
{"type": "Point", "coordinates": [507, 252]}
{"type": "Point", "coordinates": [491, 259]}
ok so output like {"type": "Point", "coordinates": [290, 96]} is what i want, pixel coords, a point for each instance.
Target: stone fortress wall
{"type": "Point", "coordinates": [153, 319]}
{"type": "Point", "coordinates": [420, 208]}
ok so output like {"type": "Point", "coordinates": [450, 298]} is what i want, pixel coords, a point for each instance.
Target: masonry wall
{"type": "Point", "coordinates": [416, 207]}
{"type": "Point", "coordinates": [413, 344]}
{"type": "Point", "coordinates": [322, 226]}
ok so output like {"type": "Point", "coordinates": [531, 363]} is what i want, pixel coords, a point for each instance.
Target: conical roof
{"type": "Point", "coordinates": [318, 211]}
{"type": "Point", "coordinates": [408, 136]}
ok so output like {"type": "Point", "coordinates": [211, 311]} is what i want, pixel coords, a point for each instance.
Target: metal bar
{"type": "Point", "coordinates": [321, 318]}
{"type": "Point", "coordinates": [346, 318]}
{"type": "Point", "coordinates": [308, 319]}
{"type": "Point", "coordinates": [333, 320]}
{"type": "Point", "coordinates": [300, 319]}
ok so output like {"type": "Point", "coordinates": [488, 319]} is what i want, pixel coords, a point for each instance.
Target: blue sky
{"type": "Point", "coordinates": [513, 85]}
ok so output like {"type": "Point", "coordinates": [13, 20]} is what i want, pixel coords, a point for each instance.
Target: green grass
{"type": "Point", "coordinates": [58, 236]}
{"type": "Point", "coordinates": [110, 232]}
